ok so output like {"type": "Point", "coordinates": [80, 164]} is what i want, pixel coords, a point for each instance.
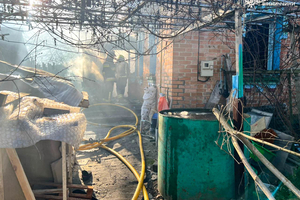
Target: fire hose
{"type": "Point", "coordinates": [131, 129]}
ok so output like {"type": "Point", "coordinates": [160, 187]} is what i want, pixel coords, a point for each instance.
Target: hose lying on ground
{"type": "Point", "coordinates": [132, 129]}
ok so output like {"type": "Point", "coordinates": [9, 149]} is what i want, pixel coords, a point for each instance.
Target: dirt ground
{"type": "Point", "coordinates": [111, 178]}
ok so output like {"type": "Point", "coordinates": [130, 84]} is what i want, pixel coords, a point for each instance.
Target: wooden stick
{"type": "Point", "coordinates": [59, 185]}
{"type": "Point", "coordinates": [235, 132]}
{"type": "Point", "coordinates": [267, 143]}
{"type": "Point", "coordinates": [251, 171]}
{"type": "Point", "coordinates": [59, 190]}
{"type": "Point", "coordinates": [64, 170]}
{"type": "Point", "coordinates": [269, 165]}
{"type": "Point", "coordinates": [69, 164]}
{"type": "Point", "coordinates": [44, 196]}
{"type": "Point", "coordinates": [47, 191]}
{"type": "Point", "coordinates": [1, 176]}
{"type": "Point", "coordinates": [17, 166]}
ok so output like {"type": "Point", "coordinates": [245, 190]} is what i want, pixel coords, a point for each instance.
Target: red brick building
{"type": "Point", "coordinates": [177, 67]}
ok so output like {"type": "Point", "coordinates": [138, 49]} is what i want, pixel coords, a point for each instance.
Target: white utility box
{"type": "Point", "coordinates": [207, 68]}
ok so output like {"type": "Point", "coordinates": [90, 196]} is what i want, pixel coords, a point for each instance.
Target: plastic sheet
{"type": "Point", "coordinates": [214, 97]}
{"type": "Point", "coordinates": [25, 124]}
{"type": "Point", "coordinates": [162, 103]}
{"type": "Point", "coordinates": [42, 83]}
{"type": "Point", "coordinates": [57, 89]}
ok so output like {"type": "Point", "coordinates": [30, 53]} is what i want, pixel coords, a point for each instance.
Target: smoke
{"type": "Point", "coordinates": [85, 70]}
{"type": "Point", "coordinates": [84, 67]}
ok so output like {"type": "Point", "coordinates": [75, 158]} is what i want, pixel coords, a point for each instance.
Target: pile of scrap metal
{"type": "Point", "coordinates": [267, 157]}
{"type": "Point", "coordinates": [41, 126]}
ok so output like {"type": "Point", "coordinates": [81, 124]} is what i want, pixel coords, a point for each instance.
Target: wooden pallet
{"type": "Point", "coordinates": [49, 193]}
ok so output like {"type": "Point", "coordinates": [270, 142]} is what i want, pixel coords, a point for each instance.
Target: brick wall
{"type": "Point", "coordinates": [179, 68]}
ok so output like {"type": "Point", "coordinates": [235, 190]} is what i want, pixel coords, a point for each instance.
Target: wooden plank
{"type": "Point", "coordinates": [85, 100]}
{"type": "Point", "coordinates": [54, 108]}
{"type": "Point", "coordinates": [21, 176]}
{"type": "Point", "coordinates": [12, 98]}
{"type": "Point", "coordinates": [2, 99]}
{"type": "Point", "coordinates": [88, 195]}
{"type": "Point", "coordinates": [75, 186]}
{"type": "Point", "coordinates": [64, 170]}
{"type": "Point", "coordinates": [44, 196]}
{"type": "Point", "coordinates": [70, 170]}
{"type": "Point", "coordinates": [1, 176]}
{"type": "Point", "coordinates": [47, 191]}
{"type": "Point", "coordinates": [54, 111]}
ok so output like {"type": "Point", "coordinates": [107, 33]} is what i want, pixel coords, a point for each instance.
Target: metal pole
{"type": "Point", "coordinates": [238, 106]}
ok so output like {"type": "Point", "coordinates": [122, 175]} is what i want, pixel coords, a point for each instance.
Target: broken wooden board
{"type": "Point", "coordinates": [47, 191]}
{"type": "Point", "coordinates": [2, 99]}
{"type": "Point", "coordinates": [17, 166]}
{"type": "Point", "coordinates": [72, 196]}
{"type": "Point", "coordinates": [6, 97]}
{"type": "Point", "coordinates": [53, 197]}
{"type": "Point", "coordinates": [85, 100]}
{"type": "Point", "coordinates": [53, 111]}
{"type": "Point", "coordinates": [60, 109]}
{"type": "Point", "coordinates": [10, 179]}
{"type": "Point", "coordinates": [70, 160]}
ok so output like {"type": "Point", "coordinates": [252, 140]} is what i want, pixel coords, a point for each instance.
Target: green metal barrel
{"type": "Point", "coordinates": [190, 163]}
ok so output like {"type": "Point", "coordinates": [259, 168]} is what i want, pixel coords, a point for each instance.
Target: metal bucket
{"type": "Point", "coordinates": [190, 164]}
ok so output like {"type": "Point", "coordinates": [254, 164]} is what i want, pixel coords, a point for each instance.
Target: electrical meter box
{"type": "Point", "coordinates": [207, 68]}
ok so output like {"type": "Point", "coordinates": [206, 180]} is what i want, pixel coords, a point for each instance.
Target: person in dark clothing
{"type": "Point", "coordinates": [108, 73]}
{"type": "Point", "coordinates": [122, 72]}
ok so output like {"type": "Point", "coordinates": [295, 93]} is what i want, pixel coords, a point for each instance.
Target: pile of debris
{"type": "Point", "coordinates": [268, 158]}
{"type": "Point", "coordinates": [41, 126]}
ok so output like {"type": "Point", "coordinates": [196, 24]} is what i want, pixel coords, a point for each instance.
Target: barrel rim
{"type": "Point", "coordinates": [209, 111]}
